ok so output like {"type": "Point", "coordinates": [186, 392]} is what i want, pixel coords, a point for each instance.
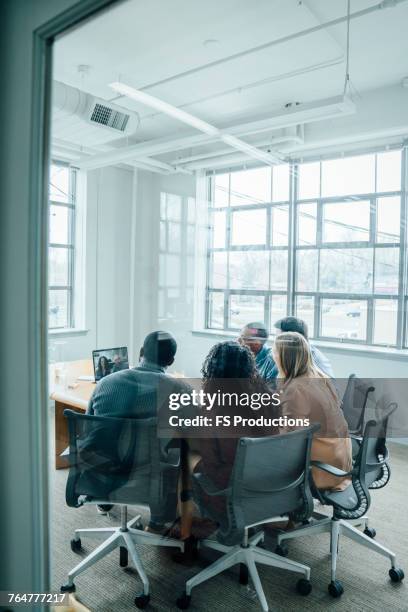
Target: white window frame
{"type": "Point", "coordinates": [70, 247]}
{"type": "Point", "coordinates": [293, 249]}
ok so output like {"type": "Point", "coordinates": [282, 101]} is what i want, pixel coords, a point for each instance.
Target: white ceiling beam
{"type": "Point", "coordinates": [310, 112]}
{"type": "Point", "coordinates": [305, 113]}
{"type": "Point", "coordinates": [138, 164]}
{"type": "Point", "coordinates": [272, 142]}
{"type": "Point", "coordinates": [193, 121]}
{"type": "Point", "coordinates": [218, 161]}
{"type": "Point", "coordinates": [73, 152]}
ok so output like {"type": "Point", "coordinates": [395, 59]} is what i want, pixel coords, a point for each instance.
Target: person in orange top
{"type": "Point", "coordinates": [307, 393]}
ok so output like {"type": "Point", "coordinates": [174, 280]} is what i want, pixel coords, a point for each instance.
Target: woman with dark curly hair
{"type": "Point", "coordinates": [229, 360]}
{"type": "Point", "coordinates": [230, 368]}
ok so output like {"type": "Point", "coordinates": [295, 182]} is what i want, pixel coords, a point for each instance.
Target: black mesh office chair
{"type": "Point", "coordinates": [384, 409]}
{"type": "Point", "coordinates": [354, 403]}
{"type": "Point", "coordinates": [120, 461]}
{"type": "Point", "coordinates": [350, 505]}
{"type": "Point", "coordinates": [269, 480]}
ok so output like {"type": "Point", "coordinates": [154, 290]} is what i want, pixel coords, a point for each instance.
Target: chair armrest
{"type": "Point", "coordinates": [383, 460]}
{"type": "Point", "coordinates": [171, 457]}
{"type": "Point", "coordinates": [356, 437]}
{"type": "Point", "coordinates": [208, 486]}
{"type": "Point", "coordinates": [330, 469]}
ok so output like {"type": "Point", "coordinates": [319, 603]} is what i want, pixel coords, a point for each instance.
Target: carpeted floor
{"type": "Point", "coordinates": [108, 588]}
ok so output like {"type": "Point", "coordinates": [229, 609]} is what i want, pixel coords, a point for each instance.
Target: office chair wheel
{"type": "Point", "coordinates": [335, 589]}
{"type": "Point", "coordinates": [281, 550]}
{"type": "Point", "coordinates": [141, 601]}
{"type": "Point", "coordinates": [68, 588]}
{"type": "Point", "coordinates": [190, 553]}
{"type": "Point", "coordinates": [243, 574]}
{"type": "Point", "coordinates": [123, 556]}
{"type": "Point", "coordinates": [370, 532]}
{"type": "Point", "coordinates": [396, 574]}
{"type": "Point", "coordinates": [303, 586]}
{"type": "Point", "coordinates": [76, 545]}
{"type": "Point", "coordinates": [183, 602]}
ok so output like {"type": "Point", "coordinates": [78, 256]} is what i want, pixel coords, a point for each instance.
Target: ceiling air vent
{"type": "Point", "coordinates": [105, 115]}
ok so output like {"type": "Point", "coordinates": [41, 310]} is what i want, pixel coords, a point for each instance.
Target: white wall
{"type": "Point", "coordinates": [108, 202]}
{"type": "Point", "coordinates": [148, 274]}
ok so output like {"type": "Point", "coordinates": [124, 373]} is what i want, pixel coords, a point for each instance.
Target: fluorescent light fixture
{"type": "Point", "coordinates": [195, 122]}
{"type": "Point", "coordinates": [164, 107]}
{"type": "Point", "coordinates": [309, 112]}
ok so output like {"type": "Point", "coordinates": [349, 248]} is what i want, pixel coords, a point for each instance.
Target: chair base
{"type": "Point", "coordinates": [336, 527]}
{"type": "Point", "coordinates": [246, 555]}
{"type": "Point", "coordinates": [124, 537]}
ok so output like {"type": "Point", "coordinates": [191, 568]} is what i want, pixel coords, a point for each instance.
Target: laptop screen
{"type": "Point", "coordinates": [108, 361]}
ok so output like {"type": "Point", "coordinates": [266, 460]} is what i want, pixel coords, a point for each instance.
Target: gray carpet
{"type": "Point", "coordinates": [108, 588]}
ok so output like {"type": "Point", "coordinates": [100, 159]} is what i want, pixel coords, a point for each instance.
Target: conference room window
{"type": "Point", "coordinates": [344, 251]}
{"type": "Point", "coordinates": [249, 240]}
{"type": "Point", "coordinates": [348, 220]}
{"type": "Point", "coordinates": [61, 249]}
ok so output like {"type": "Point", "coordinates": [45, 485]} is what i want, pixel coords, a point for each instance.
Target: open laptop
{"type": "Point", "coordinates": [110, 360]}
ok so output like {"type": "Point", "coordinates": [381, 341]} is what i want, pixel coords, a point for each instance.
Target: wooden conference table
{"type": "Point", "coordinates": [68, 392]}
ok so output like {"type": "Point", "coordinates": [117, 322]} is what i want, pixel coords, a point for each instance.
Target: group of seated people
{"type": "Point", "coordinates": [291, 365]}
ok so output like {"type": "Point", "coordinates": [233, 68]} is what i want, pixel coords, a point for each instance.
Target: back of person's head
{"type": "Point", "coordinates": [159, 347]}
{"type": "Point", "coordinates": [229, 360]}
{"type": "Point", "coordinates": [254, 335]}
{"type": "Point", "coordinates": [293, 324]}
{"type": "Point", "coordinates": [256, 331]}
{"type": "Point", "coordinates": [292, 352]}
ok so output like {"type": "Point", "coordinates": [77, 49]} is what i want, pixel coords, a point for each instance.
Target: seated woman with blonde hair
{"type": "Point", "coordinates": [307, 393]}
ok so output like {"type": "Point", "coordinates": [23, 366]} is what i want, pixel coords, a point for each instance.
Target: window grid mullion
{"type": "Point", "coordinates": [228, 240]}
{"type": "Point", "coordinates": [69, 247]}
{"type": "Point", "coordinates": [402, 316]}
{"type": "Point", "coordinates": [291, 280]}
{"type": "Point", "coordinates": [317, 319]}
{"type": "Point", "coordinates": [209, 258]}
{"type": "Point", "coordinates": [370, 320]}
{"type": "Point", "coordinates": [268, 310]}
{"type": "Point", "coordinates": [267, 301]}
{"type": "Point", "coordinates": [71, 254]}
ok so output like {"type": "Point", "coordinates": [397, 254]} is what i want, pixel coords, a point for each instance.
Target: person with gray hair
{"type": "Point", "coordinates": [254, 336]}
